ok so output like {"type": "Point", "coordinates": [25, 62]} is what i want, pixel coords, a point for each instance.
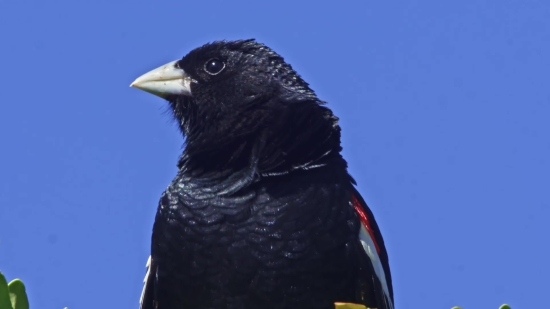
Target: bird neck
{"type": "Point", "coordinates": [300, 136]}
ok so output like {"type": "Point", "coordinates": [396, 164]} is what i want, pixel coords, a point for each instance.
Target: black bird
{"type": "Point", "coordinates": [262, 213]}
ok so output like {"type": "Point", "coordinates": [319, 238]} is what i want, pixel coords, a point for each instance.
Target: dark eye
{"type": "Point", "coordinates": [214, 66]}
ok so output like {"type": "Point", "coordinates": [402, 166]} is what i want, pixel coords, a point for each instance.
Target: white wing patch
{"type": "Point", "coordinates": [148, 265]}
{"type": "Point", "coordinates": [370, 249]}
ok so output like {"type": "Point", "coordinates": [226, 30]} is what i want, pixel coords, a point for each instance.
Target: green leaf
{"type": "Point", "coordinates": [505, 306]}
{"type": "Point", "coordinates": [4, 293]}
{"type": "Point", "coordinates": [18, 295]}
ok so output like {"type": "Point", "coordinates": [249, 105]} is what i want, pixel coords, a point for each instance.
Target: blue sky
{"type": "Point", "coordinates": [444, 107]}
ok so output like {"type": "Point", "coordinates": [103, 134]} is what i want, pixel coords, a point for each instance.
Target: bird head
{"type": "Point", "coordinates": [223, 79]}
{"type": "Point", "coordinates": [238, 93]}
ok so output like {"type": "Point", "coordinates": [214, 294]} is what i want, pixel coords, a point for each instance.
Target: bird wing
{"type": "Point", "coordinates": [372, 244]}
{"type": "Point", "coordinates": [147, 299]}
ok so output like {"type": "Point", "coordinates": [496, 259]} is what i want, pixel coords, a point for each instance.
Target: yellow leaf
{"type": "Point", "coordinates": [350, 306]}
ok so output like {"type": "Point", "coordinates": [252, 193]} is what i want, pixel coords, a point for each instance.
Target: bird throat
{"type": "Point", "coordinates": [298, 136]}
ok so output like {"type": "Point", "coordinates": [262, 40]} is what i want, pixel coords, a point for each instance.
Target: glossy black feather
{"type": "Point", "coordinates": [379, 239]}
{"type": "Point", "coordinates": [259, 213]}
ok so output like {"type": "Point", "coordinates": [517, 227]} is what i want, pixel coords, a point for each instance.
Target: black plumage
{"type": "Point", "coordinates": [262, 213]}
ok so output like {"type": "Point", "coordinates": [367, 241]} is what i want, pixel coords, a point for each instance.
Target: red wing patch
{"type": "Point", "coordinates": [364, 219]}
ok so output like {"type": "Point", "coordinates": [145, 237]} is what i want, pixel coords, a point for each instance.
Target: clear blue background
{"type": "Point", "coordinates": [444, 107]}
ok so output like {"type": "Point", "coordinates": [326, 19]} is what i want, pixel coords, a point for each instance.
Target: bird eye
{"type": "Point", "coordinates": [214, 66]}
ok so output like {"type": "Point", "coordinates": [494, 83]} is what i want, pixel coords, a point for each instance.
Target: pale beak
{"type": "Point", "coordinates": [165, 81]}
